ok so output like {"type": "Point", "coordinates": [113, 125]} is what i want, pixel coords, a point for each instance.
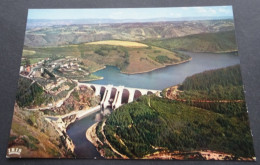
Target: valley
{"type": "Point", "coordinates": [197, 128]}
{"type": "Point", "coordinates": [132, 89]}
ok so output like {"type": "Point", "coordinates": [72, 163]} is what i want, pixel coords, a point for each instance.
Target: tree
{"type": "Point", "coordinates": [27, 62]}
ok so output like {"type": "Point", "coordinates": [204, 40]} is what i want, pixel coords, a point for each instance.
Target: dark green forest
{"type": "Point", "coordinates": [229, 76]}
{"type": "Point", "coordinates": [29, 93]}
{"type": "Point", "coordinates": [223, 84]}
{"type": "Point", "coordinates": [172, 125]}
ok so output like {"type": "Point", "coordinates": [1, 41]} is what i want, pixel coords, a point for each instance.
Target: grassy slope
{"type": "Point", "coordinates": [207, 42]}
{"type": "Point", "coordinates": [32, 134]}
{"type": "Point", "coordinates": [129, 59]}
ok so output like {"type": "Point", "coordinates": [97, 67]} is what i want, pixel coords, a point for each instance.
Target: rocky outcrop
{"type": "Point", "coordinates": [79, 99]}
{"type": "Point", "coordinates": [59, 127]}
{"type": "Point", "coordinates": [38, 136]}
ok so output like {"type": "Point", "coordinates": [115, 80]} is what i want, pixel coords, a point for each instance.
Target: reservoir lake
{"type": "Point", "coordinates": [168, 76]}
{"type": "Point", "coordinates": [157, 79]}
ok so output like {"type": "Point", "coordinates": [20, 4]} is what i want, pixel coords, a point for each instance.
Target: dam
{"type": "Point", "coordinates": [115, 96]}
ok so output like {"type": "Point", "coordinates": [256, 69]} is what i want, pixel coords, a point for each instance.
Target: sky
{"type": "Point", "coordinates": [131, 13]}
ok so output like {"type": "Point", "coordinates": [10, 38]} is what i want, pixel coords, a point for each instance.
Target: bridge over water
{"type": "Point", "coordinates": [115, 96]}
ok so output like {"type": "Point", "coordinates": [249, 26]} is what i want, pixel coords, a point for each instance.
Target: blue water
{"type": "Point", "coordinates": [158, 79]}
{"type": "Point", "coordinates": [168, 76]}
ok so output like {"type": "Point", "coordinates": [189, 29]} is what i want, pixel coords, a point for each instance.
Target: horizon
{"type": "Point", "coordinates": [225, 17]}
{"type": "Point", "coordinates": [131, 13]}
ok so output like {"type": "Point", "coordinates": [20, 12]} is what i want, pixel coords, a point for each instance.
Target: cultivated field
{"type": "Point", "coordinates": [28, 52]}
{"type": "Point", "coordinates": [118, 43]}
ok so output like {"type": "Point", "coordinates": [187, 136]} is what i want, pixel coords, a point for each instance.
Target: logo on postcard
{"type": "Point", "coordinates": [14, 151]}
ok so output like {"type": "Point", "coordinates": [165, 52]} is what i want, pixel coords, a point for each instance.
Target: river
{"type": "Point", "coordinates": [77, 132]}
{"type": "Point", "coordinates": [157, 79]}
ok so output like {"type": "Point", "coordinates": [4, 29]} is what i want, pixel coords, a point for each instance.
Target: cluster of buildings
{"type": "Point", "coordinates": [63, 65]}
{"type": "Point", "coordinates": [30, 70]}
{"type": "Point", "coordinates": [41, 70]}
{"type": "Point", "coordinates": [69, 65]}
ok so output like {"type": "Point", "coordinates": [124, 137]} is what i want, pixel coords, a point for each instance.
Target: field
{"type": "Point", "coordinates": [28, 52]}
{"type": "Point", "coordinates": [118, 43]}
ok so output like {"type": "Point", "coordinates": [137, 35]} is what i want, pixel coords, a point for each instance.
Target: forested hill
{"type": "Point", "coordinates": [205, 42]}
{"type": "Point", "coordinates": [195, 121]}
{"type": "Point", "coordinates": [219, 90]}
{"type": "Point", "coordinates": [219, 84]}
{"type": "Point", "coordinates": [205, 80]}
{"type": "Point", "coordinates": [154, 124]}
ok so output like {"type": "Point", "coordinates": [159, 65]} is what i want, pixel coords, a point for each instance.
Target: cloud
{"type": "Point", "coordinates": [185, 8]}
{"type": "Point", "coordinates": [116, 15]}
{"type": "Point", "coordinates": [201, 10]}
{"type": "Point", "coordinates": [208, 11]}
{"type": "Point", "coordinates": [176, 15]}
{"type": "Point", "coordinates": [222, 10]}
{"type": "Point", "coordinates": [212, 11]}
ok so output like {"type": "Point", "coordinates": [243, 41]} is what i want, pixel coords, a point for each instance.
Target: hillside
{"type": "Point", "coordinates": [37, 137]}
{"type": "Point", "coordinates": [153, 124]}
{"type": "Point", "coordinates": [219, 90]}
{"type": "Point", "coordinates": [58, 35]}
{"type": "Point", "coordinates": [37, 132]}
{"type": "Point", "coordinates": [203, 81]}
{"type": "Point", "coordinates": [32, 94]}
{"type": "Point", "coordinates": [205, 42]}
{"type": "Point", "coordinates": [129, 57]}
{"type": "Point", "coordinates": [207, 115]}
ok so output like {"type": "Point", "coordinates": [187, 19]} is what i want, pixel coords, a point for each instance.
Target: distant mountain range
{"type": "Point", "coordinates": [56, 35]}
{"type": "Point", "coordinates": [31, 23]}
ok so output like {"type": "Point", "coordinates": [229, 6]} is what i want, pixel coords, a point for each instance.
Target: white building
{"type": "Point", "coordinates": [65, 66]}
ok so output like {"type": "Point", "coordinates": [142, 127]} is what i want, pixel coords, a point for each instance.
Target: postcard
{"type": "Point", "coordinates": [131, 83]}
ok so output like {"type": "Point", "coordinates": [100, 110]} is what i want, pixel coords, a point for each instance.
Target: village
{"type": "Point", "coordinates": [53, 75]}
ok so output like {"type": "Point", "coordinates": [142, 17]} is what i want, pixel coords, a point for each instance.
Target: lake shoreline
{"type": "Point", "coordinates": [92, 137]}
{"type": "Point", "coordinates": [199, 63]}
{"type": "Point", "coordinates": [132, 73]}
{"type": "Point", "coordinates": [104, 67]}
{"type": "Point", "coordinates": [94, 79]}
{"type": "Point", "coordinates": [165, 65]}
{"type": "Point", "coordinates": [170, 74]}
